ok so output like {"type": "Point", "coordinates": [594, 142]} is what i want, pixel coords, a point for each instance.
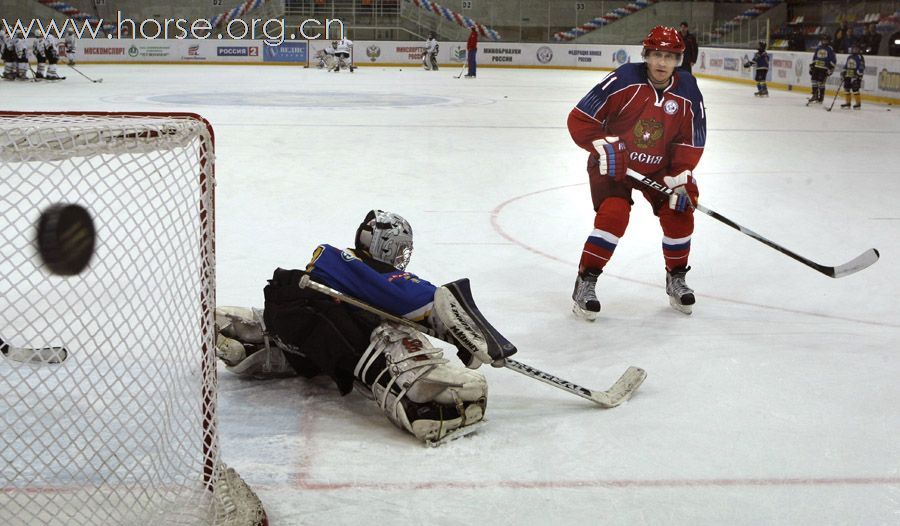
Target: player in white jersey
{"type": "Point", "coordinates": [70, 47]}
{"type": "Point", "coordinates": [40, 54]}
{"type": "Point", "coordinates": [325, 58]}
{"type": "Point", "coordinates": [51, 49]}
{"type": "Point", "coordinates": [429, 58]}
{"type": "Point", "coordinates": [8, 54]}
{"type": "Point", "coordinates": [15, 56]}
{"type": "Point", "coordinates": [344, 55]}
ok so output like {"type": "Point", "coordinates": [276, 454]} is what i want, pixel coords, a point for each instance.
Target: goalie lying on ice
{"type": "Point", "coordinates": [302, 332]}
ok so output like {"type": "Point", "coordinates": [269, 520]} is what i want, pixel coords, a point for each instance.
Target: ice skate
{"type": "Point", "coordinates": [586, 305]}
{"type": "Point", "coordinates": [857, 106]}
{"type": "Point", "coordinates": [681, 297]}
{"type": "Point", "coordinates": [845, 106]}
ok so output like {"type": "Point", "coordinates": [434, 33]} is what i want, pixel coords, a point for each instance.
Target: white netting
{"type": "Point", "coordinates": [123, 431]}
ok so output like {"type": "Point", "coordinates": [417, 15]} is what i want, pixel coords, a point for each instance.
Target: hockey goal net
{"type": "Point", "coordinates": [108, 378]}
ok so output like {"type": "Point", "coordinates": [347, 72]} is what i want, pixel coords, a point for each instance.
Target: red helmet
{"type": "Point", "coordinates": [662, 38]}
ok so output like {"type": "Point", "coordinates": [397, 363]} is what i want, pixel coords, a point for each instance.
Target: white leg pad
{"type": "Point", "coordinates": [417, 389]}
{"type": "Point", "coordinates": [241, 323]}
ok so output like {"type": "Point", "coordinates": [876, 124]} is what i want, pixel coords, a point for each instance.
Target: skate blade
{"type": "Point", "coordinates": [456, 433]}
{"type": "Point", "coordinates": [685, 309]}
{"type": "Point", "coordinates": [584, 314]}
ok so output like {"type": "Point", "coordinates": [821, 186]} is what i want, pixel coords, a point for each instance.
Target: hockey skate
{"type": "Point", "coordinates": [586, 305]}
{"type": "Point", "coordinates": [681, 297]}
{"type": "Point", "coordinates": [857, 106]}
{"type": "Point", "coordinates": [845, 106]}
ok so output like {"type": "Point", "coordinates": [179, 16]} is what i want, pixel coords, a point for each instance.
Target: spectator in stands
{"type": "Point", "coordinates": [841, 38]}
{"type": "Point", "coordinates": [797, 41]}
{"type": "Point", "coordinates": [691, 51]}
{"type": "Point", "coordinates": [870, 41]}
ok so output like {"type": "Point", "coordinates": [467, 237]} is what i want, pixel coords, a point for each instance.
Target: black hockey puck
{"type": "Point", "coordinates": [66, 238]}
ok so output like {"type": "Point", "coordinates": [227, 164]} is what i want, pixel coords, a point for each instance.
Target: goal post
{"type": "Point", "coordinates": [123, 428]}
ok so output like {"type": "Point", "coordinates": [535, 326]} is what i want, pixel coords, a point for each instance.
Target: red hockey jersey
{"type": "Point", "coordinates": [665, 130]}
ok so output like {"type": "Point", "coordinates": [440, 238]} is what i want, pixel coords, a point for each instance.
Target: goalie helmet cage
{"type": "Point", "coordinates": [124, 430]}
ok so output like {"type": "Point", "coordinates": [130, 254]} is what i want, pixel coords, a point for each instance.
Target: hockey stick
{"type": "Point", "coordinates": [41, 355]}
{"type": "Point", "coordinates": [464, 64]}
{"type": "Point", "coordinates": [836, 93]}
{"type": "Point", "coordinates": [83, 75]}
{"type": "Point", "coordinates": [620, 391]}
{"type": "Point", "coordinates": [860, 262]}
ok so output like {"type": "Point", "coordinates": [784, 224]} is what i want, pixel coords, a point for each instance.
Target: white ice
{"type": "Point", "coordinates": [776, 402]}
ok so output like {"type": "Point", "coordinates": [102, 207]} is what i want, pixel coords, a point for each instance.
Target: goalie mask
{"type": "Point", "coordinates": [387, 237]}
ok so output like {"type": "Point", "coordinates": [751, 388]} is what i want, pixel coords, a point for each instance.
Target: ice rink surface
{"type": "Point", "coordinates": [776, 402]}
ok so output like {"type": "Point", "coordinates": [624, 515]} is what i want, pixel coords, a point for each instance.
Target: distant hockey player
{"type": "Point", "coordinates": [429, 58]}
{"type": "Point", "coordinates": [14, 56]}
{"type": "Point", "coordinates": [650, 117]}
{"type": "Point", "coordinates": [20, 51]}
{"type": "Point", "coordinates": [51, 49]}
{"type": "Point", "coordinates": [71, 50]}
{"type": "Point", "coordinates": [821, 67]}
{"type": "Point", "coordinates": [343, 53]}
{"type": "Point", "coordinates": [8, 55]}
{"type": "Point", "coordinates": [761, 61]}
{"type": "Point", "coordinates": [40, 54]}
{"type": "Point", "coordinates": [854, 69]}
{"type": "Point", "coordinates": [471, 52]}
{"type": "Point", "coordinates": [304, 332]}
{"type": "Point", "coordinates": [325, 57]}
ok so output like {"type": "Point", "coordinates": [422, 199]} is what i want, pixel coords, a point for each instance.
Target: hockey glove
{"type": "Point", "coordinates": [830, 71]}
{"type": "Point", "coordinates": [811, 69]}
{"type": "Point", "coordinates": [451, 319]}
{"type": "Point", "coordinates": [71, 61]}
{"type": "Point", "coordinates": [685, 192]}
{"type": "Point", "coordinates": [612, 157]}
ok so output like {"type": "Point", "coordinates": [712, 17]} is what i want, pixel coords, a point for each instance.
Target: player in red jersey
{"type": "Point", "coordinates": [647, 116]}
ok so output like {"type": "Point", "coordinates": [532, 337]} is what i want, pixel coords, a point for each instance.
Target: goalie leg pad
{"type": "Point", "coordinates": [416, 387]}
{"type": "Point", "coordinates": [241, 343]}
{"type": "Point", "coordinates": [239, 323]}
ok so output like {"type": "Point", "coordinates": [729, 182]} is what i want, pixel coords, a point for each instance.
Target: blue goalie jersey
{"type": "Point", "coordinates": [398, 292]}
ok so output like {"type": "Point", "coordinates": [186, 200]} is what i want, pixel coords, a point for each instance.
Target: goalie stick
{"type": "Point", "coordinates": [39, 355]}
{"type": "Point", "coordinates": [620, 391]}
{"type": "Point", "coordinates": [860, 262]}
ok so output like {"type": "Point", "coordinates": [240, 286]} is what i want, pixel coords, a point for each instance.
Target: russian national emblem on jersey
{"type": "Point", "coordinates": [647, 132]}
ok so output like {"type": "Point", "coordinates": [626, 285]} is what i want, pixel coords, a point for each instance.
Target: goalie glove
{"type": "Point", "coordinates": [450, 318]}
{"type": "Point", "coordinates": [684, 191]}
{"type": "Point", "coordinates": [612, 157]}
